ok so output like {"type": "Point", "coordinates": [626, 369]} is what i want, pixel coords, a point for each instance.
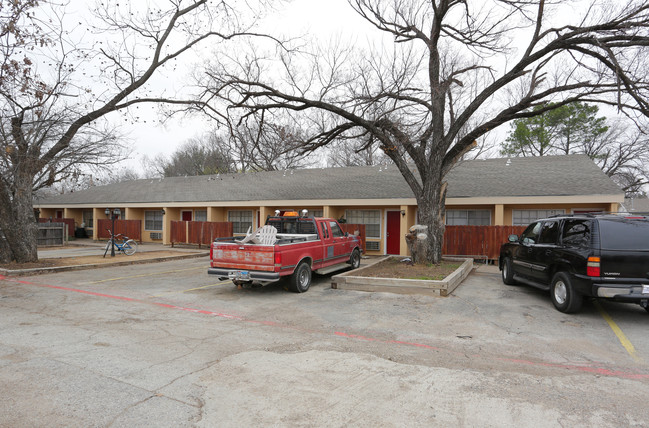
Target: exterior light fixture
{"type": "Point", "coordinates": [113, 214]}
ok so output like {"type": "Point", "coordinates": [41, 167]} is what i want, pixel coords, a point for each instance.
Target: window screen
{"type": "Point", "coordinates": [241, 221]}
{"type": "Point", "coordinates": [468, 217]}
{"type": "Point", "coordinates": [370, 218]}
{"type": "Point", "coordinates": [525, 217]}
{"type": "Point", "coordinates": [153, 220]}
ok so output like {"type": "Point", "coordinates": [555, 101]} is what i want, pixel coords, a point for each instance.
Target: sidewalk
{"type": "Point", "coordinates": [88, 247]}
{"type": "Point", "coordinates": [86, 254]}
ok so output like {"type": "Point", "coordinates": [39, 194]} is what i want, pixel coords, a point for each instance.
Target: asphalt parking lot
{"type": "Point", "coordinates": [165, 344]}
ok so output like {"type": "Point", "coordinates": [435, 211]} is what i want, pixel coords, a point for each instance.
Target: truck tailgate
{"type": "Point", "coordinates": [244, 257]}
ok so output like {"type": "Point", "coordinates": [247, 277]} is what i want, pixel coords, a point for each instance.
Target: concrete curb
{"type": "Point", "coordinates": [57, 269]}
{"type": "Point", "coordinates": [351, 281]}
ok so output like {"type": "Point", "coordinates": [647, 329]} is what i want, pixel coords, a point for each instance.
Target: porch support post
{"type": "Point", "coordinates": [407, 221]}
{"type": "Point", "coordinates": [263, 213]}
{"type": "Point", "coordinates": [97, 213]}
{"type": "Point", "coordinates": [499, 217]}
{"type": "Point", "coordinates": [169, 215]}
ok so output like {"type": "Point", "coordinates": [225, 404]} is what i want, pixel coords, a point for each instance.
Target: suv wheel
{"type": "Point", "coordinates": [563, 294]}
{"type": "Point", "coordinates": [508, 273]}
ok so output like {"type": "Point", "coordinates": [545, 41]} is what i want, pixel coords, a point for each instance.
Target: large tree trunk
{"type": "Point", "coordinates": [17, 223]}
{"type": "Point", "coordinates": [431, 211]}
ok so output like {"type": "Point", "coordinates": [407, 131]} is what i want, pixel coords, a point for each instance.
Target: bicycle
{"type": "Point", "coordinates": [127, 246]}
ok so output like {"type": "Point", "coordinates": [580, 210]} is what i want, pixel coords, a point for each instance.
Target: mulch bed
{"type": "Point", "coordinates": [395, 268]}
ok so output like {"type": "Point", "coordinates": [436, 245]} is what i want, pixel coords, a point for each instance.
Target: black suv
{"type": "Point", "coordinates": [603, 256]}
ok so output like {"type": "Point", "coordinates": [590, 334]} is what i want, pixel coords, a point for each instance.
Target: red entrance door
{"type": "Point", "coordinates": [394, 233]}
{"type": "Point", "coordinates": [186, 216]}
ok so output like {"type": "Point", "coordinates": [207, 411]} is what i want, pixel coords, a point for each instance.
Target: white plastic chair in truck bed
{"type": "Point", "coordinates": [265, 235]}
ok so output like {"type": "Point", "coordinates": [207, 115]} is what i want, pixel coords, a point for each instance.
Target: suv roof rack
{"type": "Point", "coordinates": [572, 215]}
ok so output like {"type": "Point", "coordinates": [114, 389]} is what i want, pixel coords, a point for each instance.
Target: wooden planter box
{"type": "Point", "coordinates": [351, 281]}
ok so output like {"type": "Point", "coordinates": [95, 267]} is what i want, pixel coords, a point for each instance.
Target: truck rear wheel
{"type": "Point", "coordinates": [301, 278]}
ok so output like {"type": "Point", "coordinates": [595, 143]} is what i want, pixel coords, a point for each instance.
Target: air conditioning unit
{"type": "Point", "coordinates": [156, 235]}
{"type": "Point", "coordinates": [372, 245]}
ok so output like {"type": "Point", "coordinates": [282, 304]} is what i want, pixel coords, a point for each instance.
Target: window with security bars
{"type": "Point", "coordinates": [468, 217]}
{"type": "Point", "coordinates": [241, 221]}
{"type": "Point", "coordinates": [153, 220]}
{"type": "Point", "coordinates": [370, 218]}
{"type": "Point", "coordinates": [525, 217]}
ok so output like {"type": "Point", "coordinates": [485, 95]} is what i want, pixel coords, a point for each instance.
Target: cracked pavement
{"type": "Point", "coordinates": [167, 345]}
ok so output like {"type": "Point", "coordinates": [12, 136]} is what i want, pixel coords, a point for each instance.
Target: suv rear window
{"type": "Point", "coordinates": [628, 234]}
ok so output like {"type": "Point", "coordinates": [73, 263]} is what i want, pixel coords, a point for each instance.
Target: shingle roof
{"type": "Point", "coordinates": [537, 176]}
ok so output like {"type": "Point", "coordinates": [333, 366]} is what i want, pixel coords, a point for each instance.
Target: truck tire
{"type": "Point", "coordinates": [563, 294]}
{"type": "Point", "coordinates": [301, 278]}
{"type": "Point", "coordinates": [355, 259]}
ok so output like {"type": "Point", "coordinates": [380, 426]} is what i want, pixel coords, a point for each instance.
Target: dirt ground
{"type": "Point", "coordinates": [83, 260]}
{"type": "Point", "coordinates": [395, 268]}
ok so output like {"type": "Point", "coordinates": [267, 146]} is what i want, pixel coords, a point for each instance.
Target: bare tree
{"type": "Point", "coordinates": [355, 153]}
{"type": "Point", "coordinates": [54, 88]}
{"type": "Point", "coordinates": [453, 64]}
{"type": "Point", "coordinates": [265, 146]}
{"type": "Point", "coordinates": [623, 154]}
{"type": "Point", "coordinates": [198, 156]}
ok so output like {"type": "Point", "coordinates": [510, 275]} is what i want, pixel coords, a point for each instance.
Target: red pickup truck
{"type": "Point", "coordinates": [288, 245]}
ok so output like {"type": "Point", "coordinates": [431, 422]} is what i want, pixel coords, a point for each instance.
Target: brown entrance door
{"type": "Point", "coordinates": [394, 233]}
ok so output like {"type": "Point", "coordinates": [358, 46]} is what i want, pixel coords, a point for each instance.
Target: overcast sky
{"type": "Point", "coordinates": [326, 19]}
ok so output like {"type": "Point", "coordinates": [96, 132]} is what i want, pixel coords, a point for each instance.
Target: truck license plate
{"type": "Point", "coordinates": [240, 274]}
{"type": "Point", "coordinates": [645, 289]}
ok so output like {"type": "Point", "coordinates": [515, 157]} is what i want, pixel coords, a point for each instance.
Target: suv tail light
{"type": "Point", "coordinates": [212, 251]}
{"type": "Point", "coordinates": [592, 267]}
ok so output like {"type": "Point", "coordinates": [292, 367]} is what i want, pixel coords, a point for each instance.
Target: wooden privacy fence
{"type": "Point", "coordinates": [130, 228]}
{"type": "Point", "coordinates": [352, 228]}
{"type": "Point", "coordinates": [477, 241]}
{"type": "Point", "coordinates": [50, 234]}
{"type": "Point", "coordinates": [68, 221]}
{"type": "Point", "coordinates": [199, 232]}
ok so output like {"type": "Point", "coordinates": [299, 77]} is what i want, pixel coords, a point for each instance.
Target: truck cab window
{"type": "Point", "coordinates": [336, 231]}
